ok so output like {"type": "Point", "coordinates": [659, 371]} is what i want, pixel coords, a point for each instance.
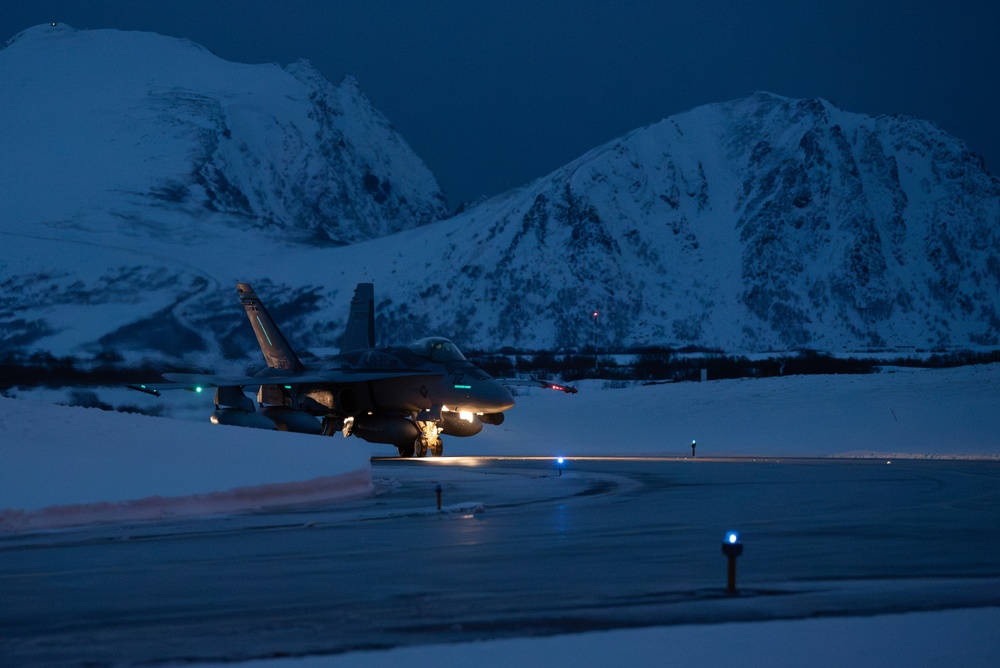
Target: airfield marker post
{"type": "Point", "coordinates": [437, 490]}
{"type": "Point", "coordinates": [732, 547]}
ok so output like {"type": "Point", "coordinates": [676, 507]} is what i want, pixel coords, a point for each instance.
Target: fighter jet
{"type": "Point", "coordinates": [405, 396]}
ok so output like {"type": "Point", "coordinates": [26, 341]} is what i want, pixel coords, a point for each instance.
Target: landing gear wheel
{"type": "Point", "coordinates": [405, 450]}
{"type": "Point", "coordinates": [437, 448]}
{"type": "Point", "coordinates": [420, 447]}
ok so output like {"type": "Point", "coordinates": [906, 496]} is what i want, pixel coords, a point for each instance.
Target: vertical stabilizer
{"type": "Point", "coordinates": [360, 330]}
{"type": "Point", "coordinates": [277, 352]}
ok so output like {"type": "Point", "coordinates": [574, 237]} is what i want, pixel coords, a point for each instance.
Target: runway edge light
{"type": "Point", "coordinates": [732, 547]}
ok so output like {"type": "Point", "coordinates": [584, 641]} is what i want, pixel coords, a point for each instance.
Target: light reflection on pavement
{"type": "Point", "coordinates": [519, 548]}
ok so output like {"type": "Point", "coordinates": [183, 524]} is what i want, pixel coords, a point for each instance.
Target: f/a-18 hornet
{"type": "Point", "coordinates": [406, 396]}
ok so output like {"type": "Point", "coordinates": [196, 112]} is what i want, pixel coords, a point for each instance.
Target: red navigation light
{"type": "Point", "coordinates": [568, 389]}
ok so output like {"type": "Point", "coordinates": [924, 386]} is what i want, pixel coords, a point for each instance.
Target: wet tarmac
{"type": "Point", "coordinates": [520, 547]}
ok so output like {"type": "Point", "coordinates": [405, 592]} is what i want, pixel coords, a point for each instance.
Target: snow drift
{"type": "Point", "coordinates": [64, 466]}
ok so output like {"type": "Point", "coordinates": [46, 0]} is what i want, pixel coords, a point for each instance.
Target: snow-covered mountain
{"type": "Point", "coordinates": [765, 223]}
{"type": "Point", "coordinates": [125, 132]}
{"type": "Point", "coordinates": [143, 176]}
{"type": "Point", "coordinates": [137, 168]}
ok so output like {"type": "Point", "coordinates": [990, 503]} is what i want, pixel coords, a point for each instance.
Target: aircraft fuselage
{"type": "Point", "coordinates": [406, 396]}
{"type": "Point", "coordinates": [453, 384]}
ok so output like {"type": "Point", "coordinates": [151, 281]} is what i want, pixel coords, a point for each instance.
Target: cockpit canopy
{"type": "Point", "coordinates": [437, 349]}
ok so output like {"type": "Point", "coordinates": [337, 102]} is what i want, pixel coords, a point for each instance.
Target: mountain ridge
{"type": "Point", "coordinates": [143, 123]}
{"type": "Point", "coordinates": [760, 224]}
{"type": "Point", "coordinates": [729, 227]}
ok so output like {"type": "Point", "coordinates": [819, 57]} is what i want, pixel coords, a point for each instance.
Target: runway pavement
{"type": "Point", "coordinates": [520, 547]}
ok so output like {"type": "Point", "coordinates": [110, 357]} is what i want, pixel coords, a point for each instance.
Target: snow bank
{"type": "Point", "coordinates": [896, 413]}
{"type": "Point", "coordinates": [63, 466]}
{"type": "Point", "coordinates": [948, 638]}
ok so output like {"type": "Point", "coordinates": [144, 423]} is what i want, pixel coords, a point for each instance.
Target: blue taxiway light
{"type": "Point", "coordinates": [732, 548]}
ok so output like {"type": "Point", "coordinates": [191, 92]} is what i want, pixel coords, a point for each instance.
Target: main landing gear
{"type": "Point", "coordinates": [421, 447]}
{"type": "Point", "coordinates": [428, 441]}
{"type": "Point", "coordinates": [412, 437]}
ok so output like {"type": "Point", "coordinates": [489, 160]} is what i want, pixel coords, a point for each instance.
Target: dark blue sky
{"type": "Point", "coordinates": [494, 94]}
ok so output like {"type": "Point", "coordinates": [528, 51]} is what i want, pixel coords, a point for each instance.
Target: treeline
{"type": "Point", "coordinates": [666, 364]}
{"type": "Point", "coordinates": [46, 370]}
{"type": "Point", "coordinates": [645, 365]}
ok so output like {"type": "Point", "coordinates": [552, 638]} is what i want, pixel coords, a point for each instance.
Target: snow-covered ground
{"type": "Point", "coordinates": [899, 412]}
{"type": "Point", "coordinates": [67, 465]}
{"type": "Point", "coordinates": [59, 456]}
{"type": "Point", "coordinates": [111, 464]}
{"type": "Point", "coordinates": [951, 638]}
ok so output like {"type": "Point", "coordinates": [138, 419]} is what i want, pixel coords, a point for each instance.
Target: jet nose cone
{"type": "Point", "coordinates": [499, 398]}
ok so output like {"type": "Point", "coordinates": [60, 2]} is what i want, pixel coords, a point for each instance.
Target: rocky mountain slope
{"type": "Point", "coordinates": [145, 176]}
{"type": "Point", "coordinates": [126, 131]}
{"type": "Point", "coordinates": [759, 224]}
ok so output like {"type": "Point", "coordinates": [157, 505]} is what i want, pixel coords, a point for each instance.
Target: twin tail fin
{"type": "Point", "coordinates": [277, 352]}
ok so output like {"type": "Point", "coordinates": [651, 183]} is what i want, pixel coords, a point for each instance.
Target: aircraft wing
{"type": "Point", "coordinates": [535, 382]}
{"type": "Point", "coordinates": [196, 382]}
{"type": "Point", "coordinates": [193, 382]}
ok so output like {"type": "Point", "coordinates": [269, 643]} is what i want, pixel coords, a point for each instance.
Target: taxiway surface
{"type": "Point", "coordinates": [519, 548]}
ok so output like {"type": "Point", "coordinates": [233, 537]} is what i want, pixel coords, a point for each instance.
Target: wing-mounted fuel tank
{"type": "Point", "coordinates": [236, 409]}
{"type": "Point", "coordinates": [289, 419]}
{"type": "Point", "coordinates": [390, 429]}
{"type": "Point", "coordinates": [235, 417]}
{"type": "Point", "coordinates": [453, 424]}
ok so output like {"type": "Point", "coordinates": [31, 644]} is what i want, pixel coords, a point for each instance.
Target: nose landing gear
{"type": "Point", "coordinates": [429, 439]}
